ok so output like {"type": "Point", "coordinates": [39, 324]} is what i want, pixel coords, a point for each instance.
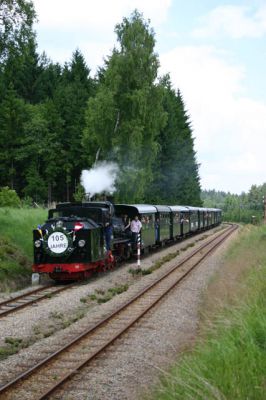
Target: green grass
{"type": "Point", "coordinates": [16, 245]}
{"type": "Point", "coordinates": [228, 361]}
{"type": "Point", "coordinates": [17, 224]}
{"type": "Point", "coordinates": [15, 267]}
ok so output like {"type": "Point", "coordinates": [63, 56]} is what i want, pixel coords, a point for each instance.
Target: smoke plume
{"type": "Point", "coordinates": [100, 178]}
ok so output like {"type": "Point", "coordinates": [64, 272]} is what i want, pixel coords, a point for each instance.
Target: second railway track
{"type": "Point", "coordinates": [14, 304]}
{"type": "Point", "coordinates": [49, 375]}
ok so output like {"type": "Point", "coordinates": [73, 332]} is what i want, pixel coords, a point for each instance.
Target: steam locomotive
{"type": "Point", "coordinates": [71, 244]}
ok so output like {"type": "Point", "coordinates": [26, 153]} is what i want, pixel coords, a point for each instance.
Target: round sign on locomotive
{"type": "Point", "coordinates": [80, 238]}
{"type": "Point", "coordinates": [57, 242]}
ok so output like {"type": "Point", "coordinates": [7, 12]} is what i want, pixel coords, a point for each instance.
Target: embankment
{"type": "Point", "coordinates": [16, 251]}
{"type": "Point", "coordinates": [228, 360]}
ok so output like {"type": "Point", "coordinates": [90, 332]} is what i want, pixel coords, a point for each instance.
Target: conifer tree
{"type": "Point", "coordinates": [22, 70]}
{"type": "Point", "coordinates": [190, 188]}
{"type": "Point", "coordinates": [176, 179]}
{"type": "Point", "coordinates": [70, 100]}
{"type": "Point", "coordinates": [12, 118]}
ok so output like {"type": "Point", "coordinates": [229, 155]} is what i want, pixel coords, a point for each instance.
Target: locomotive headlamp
{"type": "Point", "coordinates": [37, 243]}
{"type": "Point", "coordinates": [81, 243]}
{"type": "Point", "coordinates": [59, 224]}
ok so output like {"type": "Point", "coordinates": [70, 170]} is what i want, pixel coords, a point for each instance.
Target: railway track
{"type": "Point", "coordinates": [49, 375]}
{"type": "Point", "coordinates": [17, 303]}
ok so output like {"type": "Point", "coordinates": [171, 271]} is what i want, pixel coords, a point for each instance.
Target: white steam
{"type": "Point", "coordinates": [100, 178]}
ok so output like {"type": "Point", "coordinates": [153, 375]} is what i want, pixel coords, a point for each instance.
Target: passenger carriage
{"type": "Point", "coordinates": [163, 224]}
{"type": "Point", "coordinates": [194, 224]}
{"type": "Point", "coordinates": [179, 221]}
{"type": "Point", "coordinates": [146, 214]}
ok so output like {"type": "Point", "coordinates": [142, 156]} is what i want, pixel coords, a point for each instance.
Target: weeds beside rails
{"type": "Point", "coordinates": [229, 361]}
{"type": "Point", "coordinates": [102, 296]}
{"type": "Point", "coordinates": [159, 263]}
{"type": "Point", "coordinates": [58, 321]}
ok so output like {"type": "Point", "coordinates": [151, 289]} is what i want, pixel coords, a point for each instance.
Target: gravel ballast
{"type": "Point", "coordinates": [23, 323]}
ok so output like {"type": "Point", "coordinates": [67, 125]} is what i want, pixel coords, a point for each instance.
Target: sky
{"type": "Point", "coordinates": [216, 55]}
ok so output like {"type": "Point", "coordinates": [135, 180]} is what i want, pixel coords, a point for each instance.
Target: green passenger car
{"type": "Point", "coordinates": [146, 214]}
{"type": "Point", "coordinates": [163, 225]}
{"type": "Point", "coordinates": [179, 221]}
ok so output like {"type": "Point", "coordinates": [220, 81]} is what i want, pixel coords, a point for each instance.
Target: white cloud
{"type": "Point", "coordinates": [229, 127]}
{"type": "Point", "coordinates": [99, 15]}
{"type": "Point", "coordinates": [233, 21]}
{"type": "Point", "coordinates": [64, 25]}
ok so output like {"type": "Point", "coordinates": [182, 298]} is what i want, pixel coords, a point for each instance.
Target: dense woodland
{"type": "Point", "coordinates": [245, 207]}
{"type": "Point", "coordinates": [54, 118]}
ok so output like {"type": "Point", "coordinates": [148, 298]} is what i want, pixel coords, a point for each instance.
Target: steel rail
{"type": "Point", "coordinates": [218, 239]}
{"type": "Point", "coordinates": [11, 303]}
{"type": "Point", "coordinates": [2, 303]}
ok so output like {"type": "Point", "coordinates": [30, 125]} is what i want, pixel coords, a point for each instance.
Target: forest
{"type": "Point", "coordinates": [246, 207]}
{"type": "Point", "coordinates": [56, 120]}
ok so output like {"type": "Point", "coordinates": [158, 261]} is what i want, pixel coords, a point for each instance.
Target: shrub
{"type": "Point", "coordinates": [9, 198]}
{"type": "Point", "coordinates": [79, 195]}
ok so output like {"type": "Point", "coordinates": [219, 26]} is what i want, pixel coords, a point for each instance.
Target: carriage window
{"type": "Point", "coordinates": [147, 220]}
{"type": "Point", "coordinates": [165, 219]}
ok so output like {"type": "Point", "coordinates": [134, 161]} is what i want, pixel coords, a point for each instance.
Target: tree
{"type": "Point", "coordinates": [19, 61]}
{"type": "Point", "coordinates": [190, 188]}
{"type": "Point", "coordinates": [49, 79]}
{"type": "Point", "coordinates": [22, 71]}
{"type": "Point", "coordinates": [53, 161]}
{"type": "Point", "coordinates": [244, 207]}
{"type": "Point", "coordinates": [13, 114]}
{"type": "Point", "coordinates": [9, 198]}
{"type": "Point", "coordinates": [176, 170]}
{"type": "Point", "coordinates": [70, 100]}
{"type": "Point", "coordinates": [16, 20]}
{"type": "Point", "coordinates": [123, 120]}
{"type": "Point", "coordinates": [31, 152]}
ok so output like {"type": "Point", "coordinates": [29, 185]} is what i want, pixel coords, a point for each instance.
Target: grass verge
{"type": "Point", "coordinates": [229, 358]}
{"type": "Point", "coordinates": [16, 251]}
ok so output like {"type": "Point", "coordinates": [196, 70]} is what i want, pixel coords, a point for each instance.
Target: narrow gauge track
{"type": "Point", "coordinates": [49, 375]}
{"type": "Point", "coordinates": [34, 296]}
